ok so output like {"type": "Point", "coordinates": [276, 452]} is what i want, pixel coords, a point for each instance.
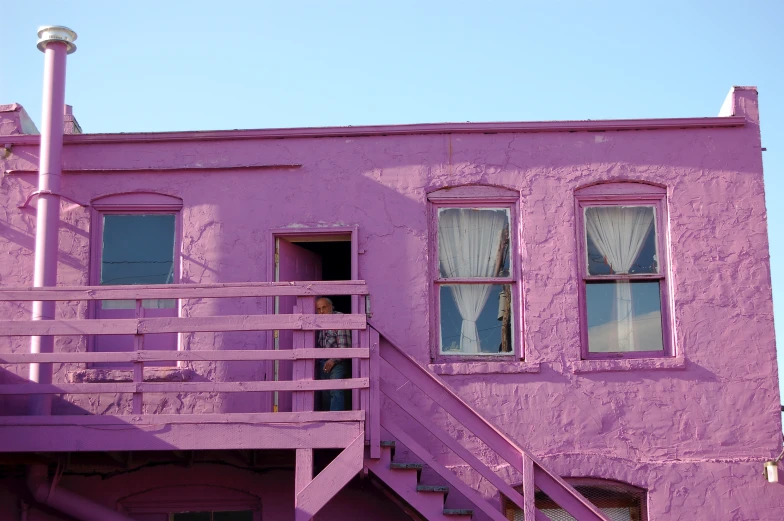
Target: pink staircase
{"type": "Point", "coordinates": [402, 477]}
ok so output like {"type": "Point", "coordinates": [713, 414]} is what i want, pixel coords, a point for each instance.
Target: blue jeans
{"type": "Point", "coordinates": [333, 400]}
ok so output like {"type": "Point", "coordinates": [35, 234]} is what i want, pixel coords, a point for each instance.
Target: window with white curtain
{"type": "Point", "coordinates": [474, 283]}
{"type": "Point", "coordinates": [623, 271]}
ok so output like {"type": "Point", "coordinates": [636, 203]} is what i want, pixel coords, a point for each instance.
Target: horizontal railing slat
{"type": "Point", "coordinates": [180, 291]}
{"type": "Point", "coordinates": [189, 356]}
{"type": "Point", "coordinates": [180, 325]}
{"type": "Point", "coordinates": [163, 419]}
{"type": "Point", "coordinates": [182, 387]}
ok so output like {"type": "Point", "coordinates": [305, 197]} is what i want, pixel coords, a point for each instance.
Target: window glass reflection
{"type": "Point", "coordinates": [621, 240]}
{"type": "Point", "coordinates": [624, 316]}
{"type": "Point", "coordinates": [476, 319]}
{"type": "Point", "coordinates": [473, 242]}
{"type": "Point", "coordinates": [137, 249]}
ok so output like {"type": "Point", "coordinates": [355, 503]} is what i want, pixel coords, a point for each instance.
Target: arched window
{"type": "Point", "coordinates": [618, 501]}
{"type": "Point", "coordinates": [192, 503]}
{"type": "Point", "coordinates": [135, 240]}
{"type": "Point", "coordinates": [623, 264]}
{"type": "Point", "coordinates": [475, 273]}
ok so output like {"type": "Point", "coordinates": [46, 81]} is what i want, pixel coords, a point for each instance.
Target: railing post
{"type": "Point", "coordinates": [304, 369]}
{"type": "Point", "coordinates": [356, 365]}
{"type": "Point", "coordinates": [138, 365]}
{"type": "Point", "coordinates": [363, 403]}
{"type": "Point", "coordinates": [373, 407]}
{"type": "Point", "coordinates": [529, 491]}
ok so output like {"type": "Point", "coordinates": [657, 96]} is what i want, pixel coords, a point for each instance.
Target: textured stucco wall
{"type": "Point", "coordinates": [693, 431]}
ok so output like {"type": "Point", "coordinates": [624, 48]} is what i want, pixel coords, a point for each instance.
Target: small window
{"type": "Point", "coordinates": [475, 283]}
{"type": "Point", "coordinates": [618, 501]}
{"type": "Point", "coordinates": [138, 249]}
{"type": "Point", "coordinates": [623, 270]}
{"type": "Point", "coordinates": [226, 515]}
{"type": "Point", "coordinates": [135, 242]}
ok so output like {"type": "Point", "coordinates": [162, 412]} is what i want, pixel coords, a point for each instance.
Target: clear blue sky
{"type": "Point", "coordinates": [156, 66]}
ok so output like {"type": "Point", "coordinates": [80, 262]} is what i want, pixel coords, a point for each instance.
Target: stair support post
{"type": "Point", "coordinates": [303, 401]}
{"type": "Point", "coordinates": [313, 496]}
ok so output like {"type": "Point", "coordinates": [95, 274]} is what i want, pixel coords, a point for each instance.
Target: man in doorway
{"type": "Point", "coordinates": [331, 368]}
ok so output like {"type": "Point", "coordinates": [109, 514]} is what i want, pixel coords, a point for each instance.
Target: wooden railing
{"type": "Point", "coordinates": [303, 322]}
{"type": "Point", "coordinates": [534, 474]}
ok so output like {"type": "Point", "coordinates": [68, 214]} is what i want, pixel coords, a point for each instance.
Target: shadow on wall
{"type": "Point", "coordinates": [12, 405]}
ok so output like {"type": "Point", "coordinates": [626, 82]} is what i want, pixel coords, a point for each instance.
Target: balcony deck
{"type": "Point", "coordinates": [140, 430]}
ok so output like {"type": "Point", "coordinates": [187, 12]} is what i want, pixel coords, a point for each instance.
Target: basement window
{"type": "Point", "coordinates": [224, 515]}
{"type": "Point", "coordinates": [618, 501]}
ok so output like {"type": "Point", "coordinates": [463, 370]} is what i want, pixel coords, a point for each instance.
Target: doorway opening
{"type": "Point", "coordinates": [335, 265]}
{"type": "Point", "coordinates": [303, 255]}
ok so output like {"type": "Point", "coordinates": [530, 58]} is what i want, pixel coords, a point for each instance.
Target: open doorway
{"type": "Point", "coordinates": [310, 255]}
{"type": "Point", "coordinates": [335, 257]}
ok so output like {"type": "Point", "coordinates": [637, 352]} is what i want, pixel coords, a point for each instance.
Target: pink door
{"type": "Point", "coordinates": [294, 263]}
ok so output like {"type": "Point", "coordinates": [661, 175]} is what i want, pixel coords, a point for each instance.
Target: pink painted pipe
{"type": "Point", "coordinates": [55, 42]}
{"type": "Point", "coordinates": [67, 502]}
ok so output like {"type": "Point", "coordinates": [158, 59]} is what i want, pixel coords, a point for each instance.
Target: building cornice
{"type": "Point", "coordinates": [394, 130]}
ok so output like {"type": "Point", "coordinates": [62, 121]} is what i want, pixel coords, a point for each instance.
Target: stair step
{"type": "Point", "coordinates": [408, 466]}
{"type": "Point", "coordinates": [390, 444]}
{"type": "Point", "coordinates": [458, 512]}
{"type": "Point", "coordinates": [433, 488]}
{"type": "Point", "coordinates": [404, 466]}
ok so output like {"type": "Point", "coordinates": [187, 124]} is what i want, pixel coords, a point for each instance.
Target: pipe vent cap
{"type": "Point", "coordinates": [56, 33]}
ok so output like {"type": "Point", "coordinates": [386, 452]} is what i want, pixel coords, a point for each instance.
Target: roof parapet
{"type": "Point", "coordinates": [743, 102]}
{"type": "Point", "coordinates": [14, 121]}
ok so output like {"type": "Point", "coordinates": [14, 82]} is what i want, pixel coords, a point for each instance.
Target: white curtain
{"type": "Point", "coordinates": [468, 244]}
{"type": "Point", "coordinates": [619, 233]}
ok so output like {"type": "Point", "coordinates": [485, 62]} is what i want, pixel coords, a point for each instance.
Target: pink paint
{"type": "Point", "coordinates": [692, 428]}
{"type": "Point", "coordinates": [48, 211]}
{"type": "Point", "coordinates": [48, 493]}
{"type": "Point", "coordinates": [629, 194]}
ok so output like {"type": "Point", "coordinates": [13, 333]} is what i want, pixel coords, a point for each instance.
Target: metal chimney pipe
{"type": "Point", "coordinates": [55, 42]}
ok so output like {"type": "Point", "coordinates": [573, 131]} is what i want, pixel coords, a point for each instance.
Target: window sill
{"type": "Point", "coordinates": [467, 368]}
{"type": "Point", "coordinates": [152, 374]}
{"type": "Point", "coordinates": [630, 364]}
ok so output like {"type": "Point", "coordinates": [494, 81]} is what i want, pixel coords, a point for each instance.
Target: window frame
{"type": "Point", "coordinates": [625, 194]}
{"type": "Point", "coordinates": [483, 197]}
{"type": "Point", "coordinates": [175, 499]}
{"type": "Point", "coordinates": [135, 203]}
{"type": "Point", "coordinates": [508, 508]}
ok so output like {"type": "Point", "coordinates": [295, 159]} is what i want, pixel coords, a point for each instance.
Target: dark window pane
{"type": "Point", "coordinates": [137, 249]}
{"type": "Point", "coordinates": [616, 501]}
{"type": "Point", "coordinates": [191, 516]}
{"type": "Point", "coordinates": [239, 515]}
{"type": "Point", "coordinates": [473, 242]}
{"type": "Point", "coordinates": [624, 316]}
{"type": "Point", "coordinates": [475, 318]}
{"type": "Point", "coordinates": [621, 240]}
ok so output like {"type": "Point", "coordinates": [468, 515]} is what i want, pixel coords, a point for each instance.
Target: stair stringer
{"type": "Point", "coordinates": [522, 461]}
{"type": "Point", "coordinates": [404, 483]}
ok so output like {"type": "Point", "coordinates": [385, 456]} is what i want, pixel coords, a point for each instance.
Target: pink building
{"type": "Point", "coordinates": [546, 317]}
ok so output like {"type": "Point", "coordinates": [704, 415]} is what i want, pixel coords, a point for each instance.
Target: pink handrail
{"type": "Point", "coordinates": [554, 486]}
{"type": "Point", "coordinates": [304, 323]}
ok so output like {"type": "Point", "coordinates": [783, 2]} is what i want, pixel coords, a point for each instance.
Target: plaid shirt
{"type": "Point", "coordinates": [334, 338]}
